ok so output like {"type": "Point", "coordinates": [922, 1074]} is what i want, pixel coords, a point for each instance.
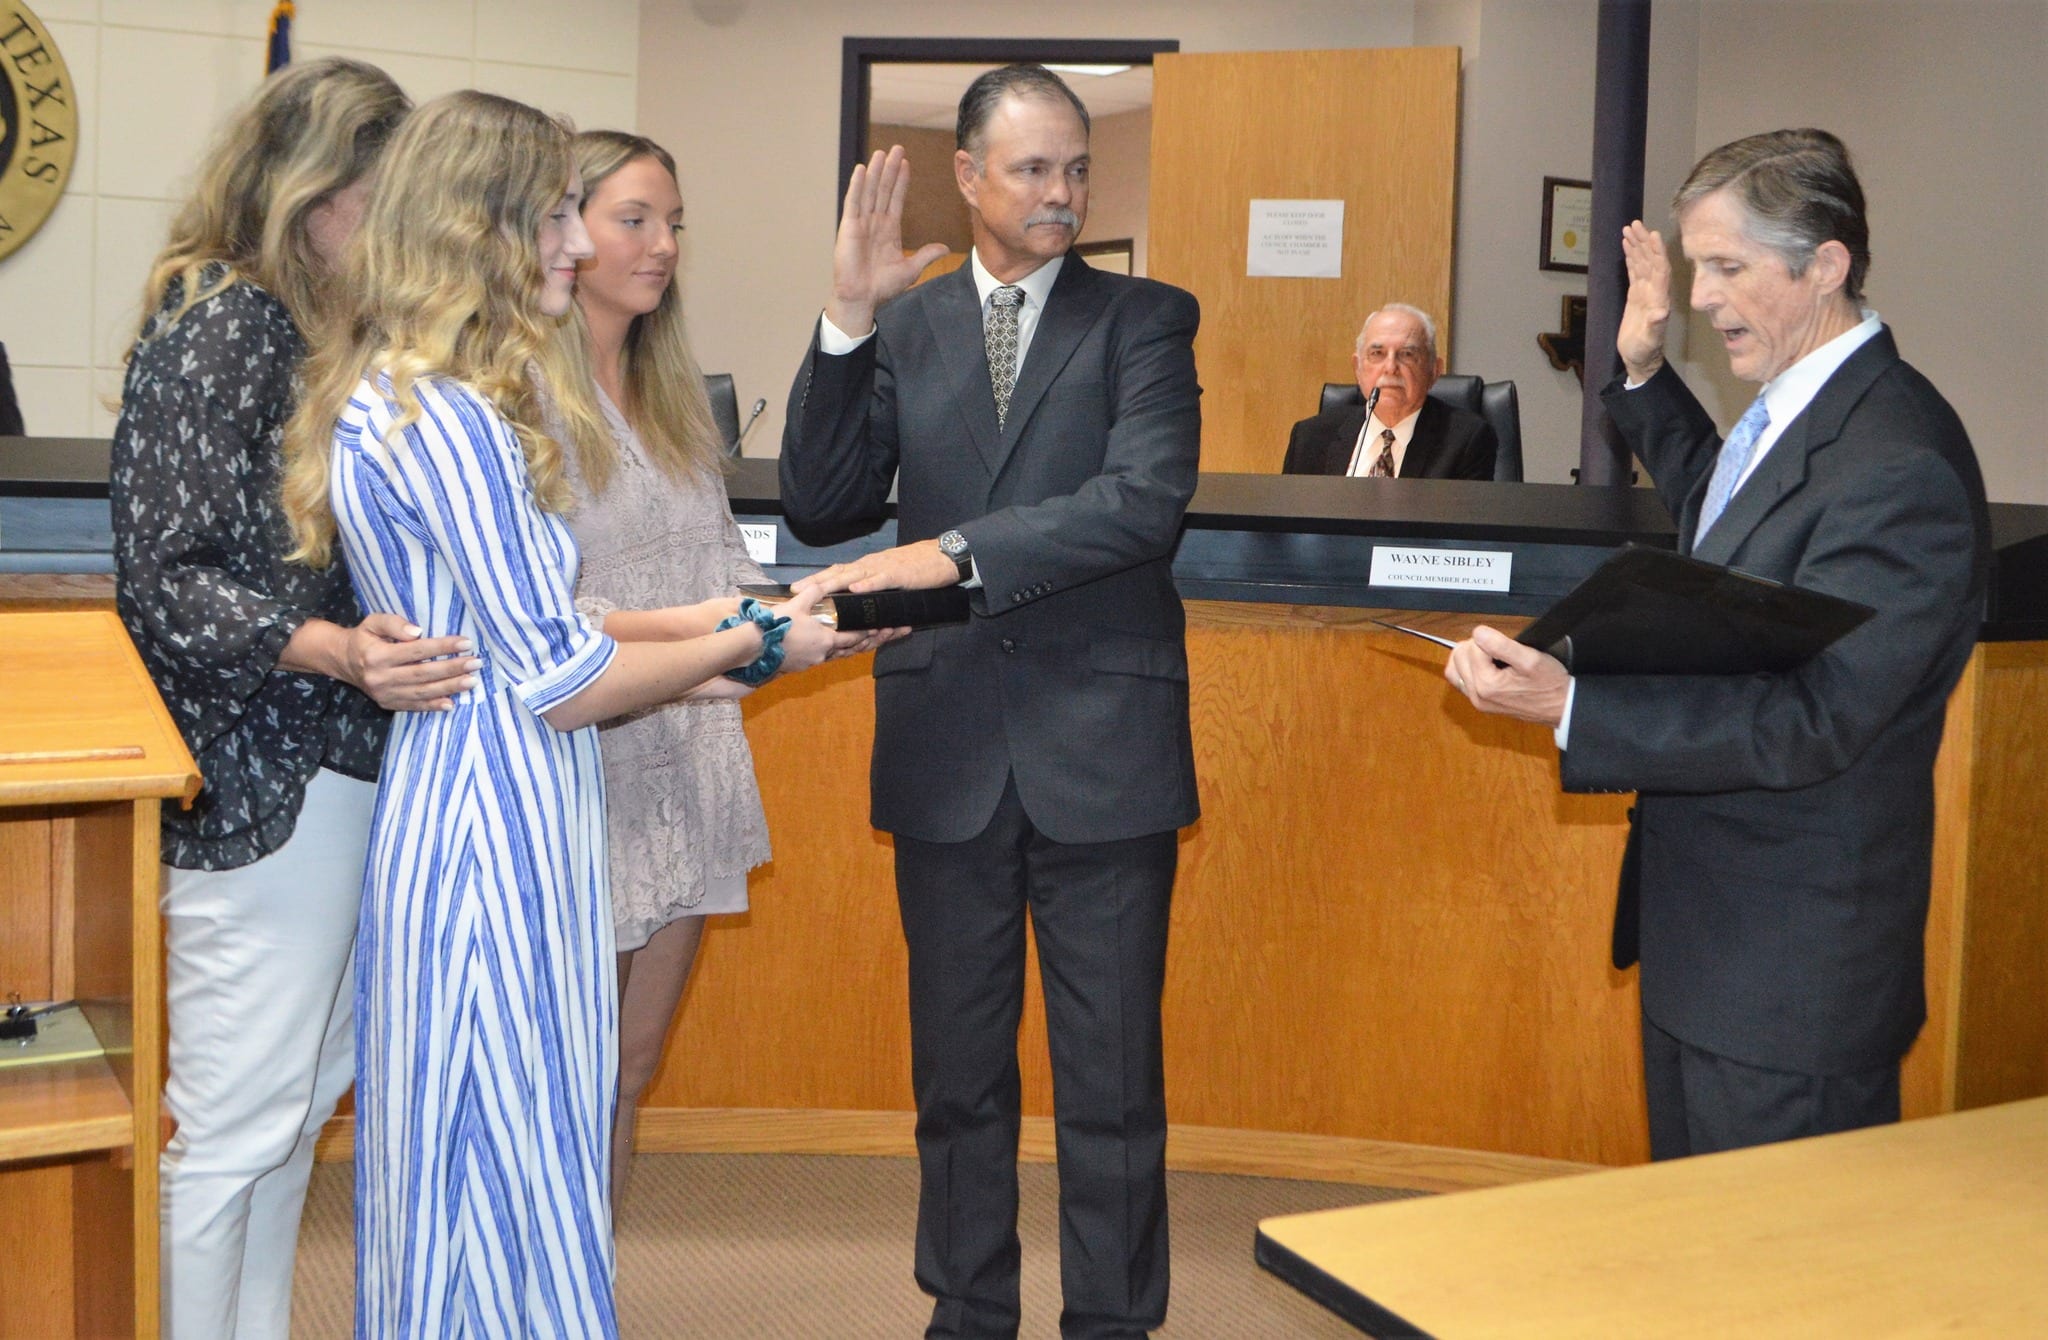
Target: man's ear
{"type": "Point", "coordinates": [1830, 266]}
{"type": "Point", "coordinates": [966, 176]}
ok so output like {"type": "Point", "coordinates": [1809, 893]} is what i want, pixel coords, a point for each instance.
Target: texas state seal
{"type": "Point", "coordinates": [38, 124]}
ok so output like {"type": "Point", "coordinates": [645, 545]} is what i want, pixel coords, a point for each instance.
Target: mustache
{"type": "Point", "coordinates": [1058, 214]}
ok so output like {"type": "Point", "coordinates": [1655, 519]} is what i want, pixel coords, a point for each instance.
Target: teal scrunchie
{"type": "Point", "coordinates": [771, 625]}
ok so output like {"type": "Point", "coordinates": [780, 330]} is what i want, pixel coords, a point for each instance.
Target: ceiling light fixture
{"type": "Point", "coordinates": [1098, 71]}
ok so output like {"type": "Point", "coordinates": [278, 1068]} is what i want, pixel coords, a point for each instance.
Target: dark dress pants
{"type": "Point", "coordinates": [1099, 913]}
{"type": "Point", "coordinates": [1701, 1103]}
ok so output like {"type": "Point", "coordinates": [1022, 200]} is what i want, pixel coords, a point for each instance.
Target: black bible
{"type": "Point", "coordinates": [851, 613]}
{"type": "Point", "coordinates": [1652, 612]}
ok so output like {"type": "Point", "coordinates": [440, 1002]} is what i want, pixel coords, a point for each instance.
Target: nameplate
{"type": "Point", "coordinates": [1447, 569]}
{"type": "Point", "coordinates": [760, 542]}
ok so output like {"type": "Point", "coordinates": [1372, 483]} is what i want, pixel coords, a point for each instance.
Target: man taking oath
{"type": "Point", "coordinates": [1776, 883]}
{"type": "Point", "coordinates": [1043, 422]}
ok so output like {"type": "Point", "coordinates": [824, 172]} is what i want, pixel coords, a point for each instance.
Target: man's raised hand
{"type": "Point", "coordinates": [868, 264]}
{"type": "Point", "coordinates": [1640, 341]}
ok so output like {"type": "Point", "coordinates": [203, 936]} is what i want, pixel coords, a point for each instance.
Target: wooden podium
{"type": "Point", "coordinates": [87, 752]}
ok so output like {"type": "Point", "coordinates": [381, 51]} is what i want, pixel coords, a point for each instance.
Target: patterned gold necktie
{"type": "Point", "coordinates": [1383, 468]}
{"type": "Point", "coordinates": [1000, 334]}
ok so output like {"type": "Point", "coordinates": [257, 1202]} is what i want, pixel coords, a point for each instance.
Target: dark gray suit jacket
{"type": "Point", "coordinates": [1449, 443]}
{"type": "Point", "coordinates": [1072, 673]}
{"type": "Point", "coordinates": [1781, 853]}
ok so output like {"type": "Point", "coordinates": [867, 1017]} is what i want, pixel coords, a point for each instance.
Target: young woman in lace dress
{"type": "Point", "coordinates": [655, 528]}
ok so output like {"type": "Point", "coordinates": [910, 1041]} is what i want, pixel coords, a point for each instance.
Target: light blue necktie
{"type": "Point", "coordinates": [1730, 464]}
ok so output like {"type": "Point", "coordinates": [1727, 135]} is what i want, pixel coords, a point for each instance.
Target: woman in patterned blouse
{"type": "Point", "coordinates": [270, 676]}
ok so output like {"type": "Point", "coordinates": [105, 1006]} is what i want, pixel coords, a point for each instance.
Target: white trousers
{"type": "Point", "coordinates": [262, 1046]}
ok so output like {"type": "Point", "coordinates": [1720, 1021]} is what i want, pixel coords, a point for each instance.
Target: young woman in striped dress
{"type": "Point", "coordinates": [485, 988]}
{"type": "Point", "coordinates": [282, 695]}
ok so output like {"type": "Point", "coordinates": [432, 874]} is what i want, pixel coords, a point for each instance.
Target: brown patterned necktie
{"type": "Point", "coordinates": [1001, 336]}
{"type": "Point", "coordinates": [1383, 467]}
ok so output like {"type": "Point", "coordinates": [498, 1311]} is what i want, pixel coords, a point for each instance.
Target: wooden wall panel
{"type": "Point", "coordinates": [2002, 1047]}
{"type": "Point", "coordinates": [1389, 924]}
{"type": "Point", "coordinates": [36, 1293]}
{"type": "Point", "coordinates": [25, 929]}
{"type": "Point", "coordinates": [1229, 128]}
{"type": "Point", "coordinates": [801, 1002]}
{"type": "Point", "coordinates": [1927, 1081]}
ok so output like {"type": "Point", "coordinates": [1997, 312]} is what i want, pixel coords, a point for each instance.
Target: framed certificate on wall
{"type": "Point", "coordinates": [1567, 224]}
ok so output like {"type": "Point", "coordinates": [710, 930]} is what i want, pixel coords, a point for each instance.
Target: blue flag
{"type": "Point", "coordinates": [280, 37]}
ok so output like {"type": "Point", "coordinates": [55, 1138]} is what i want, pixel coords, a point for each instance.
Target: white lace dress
{"type": "Point", "coordinates": [684, 811]}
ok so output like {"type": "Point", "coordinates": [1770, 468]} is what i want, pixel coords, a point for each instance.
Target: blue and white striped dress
{"type": "Point", "coordinates": [485, 983]}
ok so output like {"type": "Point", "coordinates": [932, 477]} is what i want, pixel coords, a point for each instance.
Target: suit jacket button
{"type": "Point", "coordinates": [1009, 644]}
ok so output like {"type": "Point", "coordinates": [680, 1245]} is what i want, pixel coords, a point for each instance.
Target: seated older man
{"type": "Point", "coordinates": [1406, 434]}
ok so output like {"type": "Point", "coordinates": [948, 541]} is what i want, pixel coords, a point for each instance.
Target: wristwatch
{"type": "Point", "coordinates": [954, 546]}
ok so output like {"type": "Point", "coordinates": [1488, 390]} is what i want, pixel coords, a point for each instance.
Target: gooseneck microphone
{"type": "Point", "coordinates": [761, 405]}
{"type": "Point", "coordinates": [1372, 401]}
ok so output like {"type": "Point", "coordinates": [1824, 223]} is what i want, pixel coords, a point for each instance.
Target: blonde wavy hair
{"type": "Point", "coordinates": [307, 132]}
{"type": "Point", "coordinates": [444, 281]}
{"type": "Point", "coordinates": [665, 398]}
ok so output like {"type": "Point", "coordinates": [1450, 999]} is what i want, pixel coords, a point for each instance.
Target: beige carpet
{"type": "Point", "coordinates": [791, 1247]}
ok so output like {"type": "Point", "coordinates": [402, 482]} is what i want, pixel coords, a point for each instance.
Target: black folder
{"type": "Point", "coordinates": [893, 608]}
{"type": "Point", "coordinates": [1652, 612]}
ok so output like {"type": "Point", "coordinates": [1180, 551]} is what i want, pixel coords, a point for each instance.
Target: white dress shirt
{"type": "Point", "coordinates": [1368, 448]}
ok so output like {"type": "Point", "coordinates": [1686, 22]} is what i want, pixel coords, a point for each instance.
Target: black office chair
{"type": "Point", "coordinates": [1495, 402]}
{"type": "Point", "coordinates": [10, 408]}
{"type": "Point", "coordinates": [725, 409]}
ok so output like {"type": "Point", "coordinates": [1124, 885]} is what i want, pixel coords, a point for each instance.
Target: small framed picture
{"type": "Point", "coordinates": [1114, 255]}
{"type": "Point", "coordinates": [1567, 224]}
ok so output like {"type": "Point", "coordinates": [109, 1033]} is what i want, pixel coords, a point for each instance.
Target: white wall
{"type": "Point", "coordinates": [1945, 108]}
{"type": "Point", "coordinates": [156, 77]}
{"type": "Point", "coordinates": [745, 93]}
{"type": "Point", "coordinates": [1522, 121]}
{"type": "Point", "coordinates": [1943, 102]}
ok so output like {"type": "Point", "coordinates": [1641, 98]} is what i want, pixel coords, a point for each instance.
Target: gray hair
{"type": "Point", "coordinates": [1422, 319]}
{"type": "Point", "coordinates": [988, 90]}
{"type": "Point", "coordinates": [1797, 190]}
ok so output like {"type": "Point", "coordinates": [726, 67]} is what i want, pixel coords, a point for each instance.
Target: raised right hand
{"type": "Point", "coordinates": [1640, 341]}
{"type": "Point", "coordinates": [868, 264]}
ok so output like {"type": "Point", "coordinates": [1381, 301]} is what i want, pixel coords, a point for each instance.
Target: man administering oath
{"type": "Point", "coordinates": [1043, 422]}
{"type": "Point", "coordinates": [1776, 885]}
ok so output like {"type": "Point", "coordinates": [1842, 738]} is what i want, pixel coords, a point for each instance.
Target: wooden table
{"type": "Point", "coordinates": [1938, 1226]}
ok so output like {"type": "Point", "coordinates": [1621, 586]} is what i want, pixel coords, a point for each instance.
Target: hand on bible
{"type": "Point", "coordinates": [909, 567]}
{"type": "Point", "coordinates": [1640, 341]}
{"type": "Point", "coordinates": [868, 264]}
{"type": "Point", "coordinates": [1501, 676]}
